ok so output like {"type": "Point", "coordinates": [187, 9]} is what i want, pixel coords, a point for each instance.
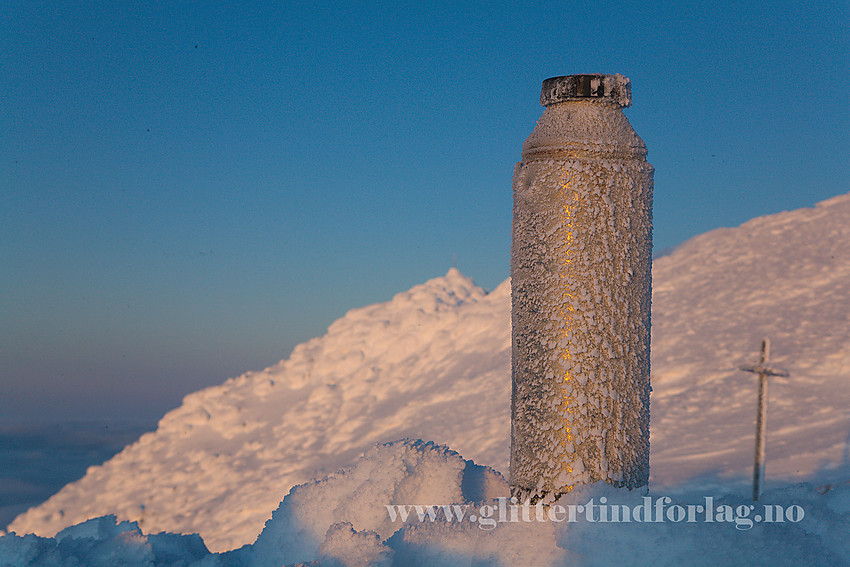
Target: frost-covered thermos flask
{"type": "Point", "coordinates": [581, 260]}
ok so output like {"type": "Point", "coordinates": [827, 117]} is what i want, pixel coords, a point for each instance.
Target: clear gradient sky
{"type": "Point", "coordinates": [188, 190]}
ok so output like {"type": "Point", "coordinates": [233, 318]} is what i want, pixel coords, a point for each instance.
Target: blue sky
{"type": "Point", "coordinates": [188, 190]}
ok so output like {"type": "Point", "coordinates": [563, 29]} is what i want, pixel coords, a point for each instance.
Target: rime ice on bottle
{"type": "Point", "coordinates": [581, 260]}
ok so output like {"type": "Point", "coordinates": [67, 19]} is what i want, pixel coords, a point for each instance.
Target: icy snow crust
{"type": "Point", "coordinates": [342, 521]}
{"type": "Point", "coordinates": [434, 363]}
{"type": "Point", "coordinates": [581, 263]}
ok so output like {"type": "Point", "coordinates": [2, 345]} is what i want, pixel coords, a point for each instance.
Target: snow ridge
{"type": "Point", "coordinates": [434, 363]}
{"type": "Point", "coordinates": [422, 365]}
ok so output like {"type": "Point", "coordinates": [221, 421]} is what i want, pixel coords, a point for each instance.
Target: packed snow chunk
{"type": "Point", "coordinates": [616, 527]}
{"type": "Point", "coordinates": [399, 473]}
{"type": "Point", "coordinates": [98, 529]}
{"type": "Point", "coordinates": [102, 542]}
{"type": "Point", "coordinates": [17, 551]}
{"type": "Point", "coordinates": [478, 541]}
{"type": "Point", "coordinates": [838, 500]}
{"type": "Point", "coordinates": [345, 547]}
{"type": "Point", "coordinates": [177, 549]}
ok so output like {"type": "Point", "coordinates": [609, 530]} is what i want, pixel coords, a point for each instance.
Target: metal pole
{"type": "Point", "coordinates": [761, 430]}
{"type": "Point", "coordinates": [763, 370]}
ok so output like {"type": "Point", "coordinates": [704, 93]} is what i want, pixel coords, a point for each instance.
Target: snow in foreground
{"type": "Point", "coordinates": [343, 520]}
{"type": "Point", "coordinates": [434, 363]}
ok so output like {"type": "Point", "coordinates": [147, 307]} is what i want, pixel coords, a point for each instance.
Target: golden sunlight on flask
{"type": "Point", "coordinates": [581, 260]}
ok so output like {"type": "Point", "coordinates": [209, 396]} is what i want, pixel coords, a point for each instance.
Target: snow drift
{"type": "Point", "coordinates": [434, 363]}
{"type": "Point", "coordinates": [342, 520]}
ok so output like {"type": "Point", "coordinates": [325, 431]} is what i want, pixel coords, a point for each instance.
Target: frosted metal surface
{"type": "Point", "coordinates": [581, 292]}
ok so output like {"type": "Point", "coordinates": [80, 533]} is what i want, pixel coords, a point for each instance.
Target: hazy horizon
{"type": "Point", "coordinates": [190, 191]}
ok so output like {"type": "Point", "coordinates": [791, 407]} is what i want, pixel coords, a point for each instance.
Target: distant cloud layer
{"type": "Point", "coordinates": [37, 460]}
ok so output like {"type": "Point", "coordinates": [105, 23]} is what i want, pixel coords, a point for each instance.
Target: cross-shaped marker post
{"type": "Point", "coordinates": [763, 370]}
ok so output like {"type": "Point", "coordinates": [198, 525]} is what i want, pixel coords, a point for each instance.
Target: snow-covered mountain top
{"type": "Point", "coordinates": [429, 364]}
{"type": "Point", "coordinates": [776, 275]}
{"type": "Point", "coordinates": [826, 215]}
{"type": "Point", "coordinates": [783, 276]}
{"type": "Point", "coordinates": [434, 363]}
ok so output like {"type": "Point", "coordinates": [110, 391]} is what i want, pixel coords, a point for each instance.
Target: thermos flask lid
{"type": "Point", "coordinates": [611, 88]}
